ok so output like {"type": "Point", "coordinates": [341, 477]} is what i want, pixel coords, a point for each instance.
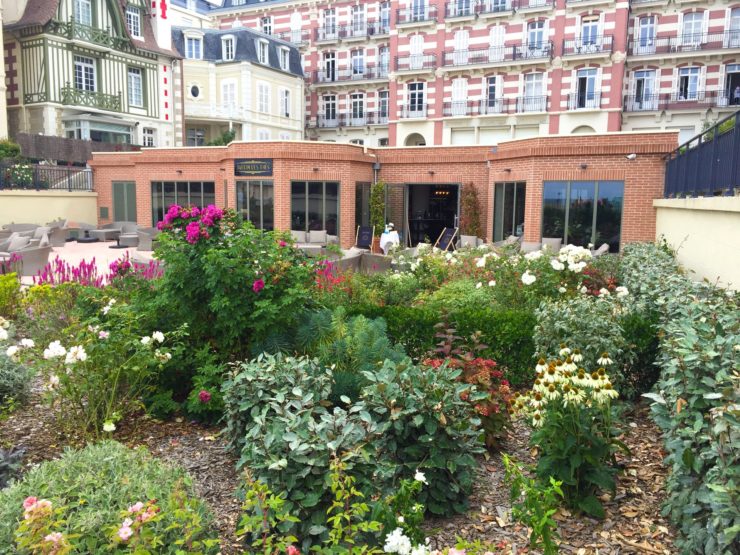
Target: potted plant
{"type": "Point", "coordinates": [377, 212]}
{"type": "Point", "coordinates": [470, 226]}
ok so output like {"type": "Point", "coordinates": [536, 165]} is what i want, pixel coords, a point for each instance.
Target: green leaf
{"type": "Point", "coordinates": [591, 506]}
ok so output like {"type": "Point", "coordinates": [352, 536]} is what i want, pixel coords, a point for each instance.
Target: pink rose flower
{"type": "Point", "coordinates": [54, 537]}
{"type": "Point", "coordinates": [283, 244]}
{"type": "Point", "coordinates": [149, 514]}
{"type": "Point", "coordinates": [124, 532]}
{"type": "Point", "coordinates": [127, 523]}
{"type": "Point", "coordinates": [204, 396]}
{"type": "Point", "coordinates": [29, 502]}
{"type": "Point", "coordinates": [292, 550]}
{"type": "Point", "coordinates": [454, 551]}
{"type": "Point", "coordinates": [258, 285]}
{"type": "Point", "coordinates": [136, 507]}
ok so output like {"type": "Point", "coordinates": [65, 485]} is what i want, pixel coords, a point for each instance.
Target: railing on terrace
{"type": "Point", "coordinates": [416, 62]}
{"type": "Point", "coordinates": [356, 74]}
{"type": "Point", "coordinates": [416, 14]}
{"type": "Point", "coordinates": [685, 43]}
{"type": "Point", "coordinates": [531, 104]}
{"type": "Point", "coordinates": [364, 30]}
{"type": "Point", "coordinates": [78, 31]}
{"type": "Point", "coordinates": [329, 32]}
{"type": "Point", "coordinates": [489, 106]}
{"type": "Point", "coordinates": [351, 119]}
{"type": "Point", "coordinates": [460, 8]}
{"type": "Point", "coordinates": [496, 54]}
{"type": "Point", "coordinates": [18, 175]}
{"type": "Point", "coordinates": [494, 6]}
{"type": "Point", "coordinates": [298, 37]}
{"type": "Point", "coordinates": [708, 164]}
{"type": "Point", "coordinates": [525, 4]}
{"type": "Point", "coordinates": [412, 111]}
{"type": "Point", "coordinates": [72, 96]}
{"type": "Point", "coordinates": [676, 101]}
{"type": "Point", "coordinates": [584, 101]}
{"type": "Point", "coordinates": [584, 46]}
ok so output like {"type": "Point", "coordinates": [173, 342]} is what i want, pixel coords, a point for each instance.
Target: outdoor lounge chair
{"type": "Point", "coordinates": [603, 249]}
{"type": "Point", "coordinates": [34, 259]}
{"type": "Point", "coordinates": [147, 238]}
{"type": "Point", "coordinates": [510, 240]}
{"type": "Point", "coordinates": [15, 243]}
{"type": "Point", "coordinates": [59, 233]}
{"type": "Point", "coordinates": [38, 234]}
{"type": "Point", "coordinates": [531, 246]}
{"type": "Point", "coordinates": [108, 232]}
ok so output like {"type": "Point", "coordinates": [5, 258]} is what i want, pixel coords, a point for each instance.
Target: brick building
{"type": "Point", "coordinates": [445, 72]}
{"type": "Point", "coordinates": [585, 189]}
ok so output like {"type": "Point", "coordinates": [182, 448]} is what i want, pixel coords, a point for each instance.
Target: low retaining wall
{"type": "Point", "coordinates": [39, 207]}
{"type": "Point", "coordinates": [706, 233]}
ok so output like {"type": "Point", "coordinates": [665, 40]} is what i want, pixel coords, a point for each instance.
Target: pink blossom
{"type": "Point", "coordinates": [283, 244]}
{"type": "Point", "coordinates": [54, 537]}
{"type": "Point", "coordinates": [127, 522]}
{"type": "Point", "coordinates": [102, 334]}
{"type": "Point", "coordinates": [192, 232]}
{"type": "Point", "coordinates": [292, 550]}
{"type": "Point", "coordinates": [136, 507]}
{"type": "Point", "coordinates": [149, 514]}
{"type": "Point", "coordinates": [454, 551]}
{"type": "Point", "coordinates": [204, 396]}
{"type": "Point", "coordinates": [125, 532]}
{"type": "Point", "coordinates": [258, 285]}
{"type": "Point", "coordinates": [29, 502]}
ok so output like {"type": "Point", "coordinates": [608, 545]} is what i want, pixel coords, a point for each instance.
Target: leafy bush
{"type": "Point", "coordinates": [470, 211]}
{"type": "Point", "coordinates": [229, 281]}
{"type": "Point", "coordinates": [9, 149]}
{"type": "Point", "coordinates": [15, 378]}
{"type": "Point", "coordinates": [10, 465]}
{"type": "Point", "coordinates": [92, 487]}
{"type": "Point", "coordinates": [48, 310]}
{"type": "Point", "coordinates": [430, 427]}
{"type": "Point", "coordinates": [205, 400]}
{"type": "Point", "coordinates": [410, 326]}
{"type": "Point", "coordinates": [10, 295]}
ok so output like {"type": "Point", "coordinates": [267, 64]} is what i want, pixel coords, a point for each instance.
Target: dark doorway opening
{"type": "Point", "coordinates": [733, 86]}
{"type": "Point", "coordinates": [431, 208]}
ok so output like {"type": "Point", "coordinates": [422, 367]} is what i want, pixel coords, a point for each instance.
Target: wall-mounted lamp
{"type": "Point", "coordinates": [316, 169]}
{"type": "Point", "coordinates": [431, 172]}
{"type": "Point", "coordinates": [583, 166]}
{"type": "Point", "coordinates": [179, 172]}
{"type": "Point", "coordinates": [507, 170]}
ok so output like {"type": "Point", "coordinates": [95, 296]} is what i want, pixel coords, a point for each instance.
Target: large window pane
{"type": "Point", "coordinates": [609, 214]}
{"type": "Point", "coordinates": [183, 193]}
{"type": "Point", "coordinates": [169, 195]}
{"type": "Point", "coordinates": [298, 205]}
{"type": "Point", "coordinates": [508, 210]}
{"type": "Point", "coordinates": [268, 206]}
{"type": "Point", "coordinates": [209, 193]}
{"type": "Point", "coordinates": [331, 216]}
{"type": "Point", "coordinates": [554, 204]}
{"type": "Point", "coordinates": [157, 204]}
{"type": "Point", "coordinates": [521, 197]}
{"type": "Point", "coordinates": [315, 205]}
{"type": "Point", "coordinates": [581, 213]}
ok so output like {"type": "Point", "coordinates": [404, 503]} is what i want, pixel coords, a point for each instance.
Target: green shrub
{"type": "Point", "coordinates": [15, 378]}
{"type": "Point", "coordinates": [460, 295]}
{"type": "Point", "coordinates": [47, 311]}
{"type": "Point", "coordinates": [10, 295]}
{"type": "Point", "coordinates": [93, 486]}
{"type": "Point", "coordinates": [205, 401]}
{"type": "Point", "coordinates": [10, 465]}
{"type": "Point", "coordinates": [430, 427]}
{"type": "Point", "coordinates": [640, 331]}
{"type": "Point", "coordinates": [410, 326]}
{"type": "Point", "coordinates": [9, 149]}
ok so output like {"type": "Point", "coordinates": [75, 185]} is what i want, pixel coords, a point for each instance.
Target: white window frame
{"type": "Point", "coordinates": [263, 134]}
{"type": "Point", "coordinates": [86, 74]}
{"type": "Point", "coordinates": [383, 106]}
{"type": "Point", "coordinates": [133, 21]}
{"type": "Point", "coordinates": [284, 97]}
{"type": "Point", "coordinates": [692, 75]}
{"type": "Point", "coordinates": [135, 87]}
{"type": "Point", "coordinates": [459, 98]}
{"type": "Point", "coordinates": [83, 12]}
{"type": "Point", "coordinates": [694, 37]}
{"type": "Point", "coordinates": [149, 137]}
{"type": "Point", "coordinates": [228, 48]}
{"type": "Point", "coordinates": [266, 24]}
{"type": "Point", "coordinates": [417, 92]}
{"type": "Point", "coordinates": [357, 62]}
{"type": "Point", "coordinates": [229, 93]}
{"type": "Point", "coordinates": [284, 58]}
{"type": "Point", "coordinates": [263, 97]}
{"type": "Point", "coordinates": [329, 107]}
{"type": "Point", "coordinates": [263, 51]}
{"type": "Point", "coordinates": [357, 108]}
{"type": "Point", "coordinates": [194, 47]}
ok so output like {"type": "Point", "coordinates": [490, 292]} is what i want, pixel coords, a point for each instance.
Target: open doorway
{"type": "Point", "coordinates": [732, 84]}
{"type": "Point", "coordinates": [431, 208]}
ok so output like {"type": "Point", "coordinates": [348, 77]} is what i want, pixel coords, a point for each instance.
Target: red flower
{"type": "Point", "coordinates": [204, 396]}
{"type": "Point", "coordinates": [258, 285]}
{"type": "Point", "coordinates": [283, 244]}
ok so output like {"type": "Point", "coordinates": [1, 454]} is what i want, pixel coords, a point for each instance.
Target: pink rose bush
{"type": "Point", "coordinates": [197, 223]}
{"type": "Point", "coordinates": [36, 532]}
{"type": "Point", "coordinates": [131, 531]}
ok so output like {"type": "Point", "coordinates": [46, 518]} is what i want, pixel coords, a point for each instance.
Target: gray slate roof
{"type": "Point", "coordinates": [246, 48]}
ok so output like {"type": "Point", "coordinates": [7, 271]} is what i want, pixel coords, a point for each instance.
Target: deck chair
{"type": "Point", "coordinates": [364, 237]}
{"type": "Point", "coordinates": [446, 239]}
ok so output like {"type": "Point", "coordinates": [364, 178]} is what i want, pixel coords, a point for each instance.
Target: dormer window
{"type": "Point", "coordinates": [133, 21]}
{"type": "Point", "coordinates": [262, 52]}
{"type": "Point", "coordinates": [284, 58]}
{"type": "Point", "coordinates": [227, 48]}
{"type": "Point", "coordinates": [194, 47]}
{"type": "Point", "coordinates": [83, 12]}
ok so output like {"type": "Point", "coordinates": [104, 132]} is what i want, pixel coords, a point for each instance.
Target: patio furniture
{"type": "Point", "coordinates": [312, 242]}
{"type": "Point", "coordinates": [446, 239]}
{"type": "Point", "coordinates": [364, 237]}
{"type": "Point", "coordinates": [15, 243]}
{"type": "Point", "coordinates": [530, 246]}
{"type": "Point", "coordinates": [470, 241]}
{"type": "Point", "coordinates": [603, 249]}
{"type": "Point", "coordinates": [147, 238]}
{"type": "Point", "coordinates": [38, 234]}
{"type": "Point", "coordinates": [108, 232]}
{"type": "Point", "coordinates": [59, 232]}
{"type": "Point", "coordinates": [552, 243]}
{"type": "Point", "coordinates": [34, 259]}
{"type": "Point", "coordinates": [20, 227]}
{"type": "Point", "coordinates": [78, 230]}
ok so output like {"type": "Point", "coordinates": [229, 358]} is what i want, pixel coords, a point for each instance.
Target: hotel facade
{"type": "Point", "coordinates": [435, 72]}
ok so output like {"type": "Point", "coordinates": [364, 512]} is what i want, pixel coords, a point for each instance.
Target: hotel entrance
{"type": "Point", "coordinates": [430, 209]}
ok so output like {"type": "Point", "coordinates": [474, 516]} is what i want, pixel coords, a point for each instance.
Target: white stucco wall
{"type": "Point", "coordinates": [706, 233]}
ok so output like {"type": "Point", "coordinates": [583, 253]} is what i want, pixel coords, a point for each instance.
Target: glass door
{"type": "Point", "coordinates": [508, 210]}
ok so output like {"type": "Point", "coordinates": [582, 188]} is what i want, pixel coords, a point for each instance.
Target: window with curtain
{"type": "Point", "coordinates": [184, 193]}
{"type": "Point", "coordinates": [255, 201]}
{"type": "Point", "coordinates": [314, 205]}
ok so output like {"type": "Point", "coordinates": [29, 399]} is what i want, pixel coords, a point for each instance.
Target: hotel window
{"type": "Point", "coordinates": [314, 206]}
{"type": "Point", "coordinates": [417, 102]}
{"type": "Point", "coordinates": [357, 142]}
{"type": "Point", "coordinates": [193, 48]}
{"type": "Point", "coordinates": [330, 24]}
{"type": "Point", "coordinates": [384, 61]}
{"type": "Point", "coordinates": [583, 212]}
{"type": "Point", "coordinates": [693, 28]}
{"type": "Point", "coordinates": [590, 30]}
{"type": "Point", "coordinates": [262, 52]}
{"type": "Point", "coordinates": [508, 210]}
{"type": "Point", "coordinates": [135, 87]}
{"type": "Point", "coordinates": [184, 193]}
{"type": "Point", "coordinates": [382, 106]}
{"type": "Point", "coordinates": [227, 49]}
{"type": "Point", "coordinates": [85, 74]}
{"type": "Point", "coordinates": [196, 136]}
{"type": "Point", "coordinates": [149, 136]}
{"type": "Point", "coordinates": [228, 93]}
{"type": "Point", "coordinates": [534, 99]}
{"type": "Point", "coordinates": [263, 98]}
{"type": "Point", "coordinates": [133, 21]}
{"type": "Point", "coordinates": [284, 58]}
{"type": "Point", "coordinates": [493, 96]}
{"type": "Point", "coordinates": [358, 62]}
{"type": "Point", "coordinates": [83, 12]}
{"type": "Point", "coordinates": [383, 141]}
{"type": "Point", "coordinates": [330, 108]}
{"type": "Point", "coordinates": [357, 108]}
{"type": "Point", "coordinates": [266, 23]}
{"type": "Point", "coordinates": [263, 135]}
{"type": "Point", "coordinates": [536, 35]}
{"type": "Point", "coordinates": [645, 35]}
{"type": "Point", "coordinates": [285, 103]}
{"type": "Point", "coordinates": [688, 83]}
{"type": "Point", "coordinates": [385, 17]}
{"type": "Point", "coordinates": [358, 19]}
{"type": "Point", "coordinates": [255, 202]}
{"type": "Point", "coordinates": [734, 29]}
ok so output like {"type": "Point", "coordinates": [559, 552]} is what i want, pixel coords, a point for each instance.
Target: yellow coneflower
{"type": "Point", "coordinates": [604, 360]}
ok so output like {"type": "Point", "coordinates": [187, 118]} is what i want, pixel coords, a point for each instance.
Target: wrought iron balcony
{"type": "Point", "coordinates": [299, 37]}
{"type": "Point", "coordinates": [587, 46]}
{"type": "Point", "coordinates": [531, 104]}
{"type": "Point", "coordinates": [329, 33]}
{"type": "Point", "coordinates": [365, 30]}
{"type": "Point", "coordinates": [530, 4]}
{"type": "Point", "coordinates": [417, 14]}
{"type": "Point", "coordinates": [485, 107]}
{"type": "Point", "coordinates": [584, 101]}
{"type": "Point", "coordinates": [497, 54]}
{"type": "Point", "coordinates": [78, 31]}
{"type": "Point", "coordinates": [350, 119]}
{"type": "Point", "coordinates": [489, 7]}
{"type": "Point", "coordinates": [72, 96]}
{"type": "Point", "coordinates": [689, 100]}
{"type": "Point", "coordinates": [416, 62]}
{"type": "Point", "coordinates": [685, 43]}
{"type": "Point", "coordinates": [460, 8]}
{"type": "Point", "coordinates": [412, 111]}
{"type": "Point", "coordinates": [349, 75]}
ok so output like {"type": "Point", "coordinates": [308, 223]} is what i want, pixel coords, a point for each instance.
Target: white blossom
{"type": "Point", "coordinates": [562, 290]}
{"type": "Point", "coordinates": [420, 477]}
{"type": "Point", "coordinates": [55, 350]}
{"type": "Point", "coordinates": [158, 336]}
{"type": "Point", "coordinates": [3, 334]}
{"type": "Point", "coordinates": [557, 265]}
{"type": "Point", "coordinates": [604, 360]}
{"type": "Point", "coordinates": [604, 292]}
{"type": "Point", "coordinates": [76, 354]}
{"type": "Point", "coordinates": [478, 285]}
{"type": "Point", "coordinates": [146, 340]}
{"type": "Point", "coordinates": [11, 351]}
{"type": "Point", "coordinates": [397, 542]}
{"type": "Point", "coordinates": [109, 426]}
{"type": "Point", "coordinates": [528, 279]}
{"type": "Point", "coordinates": [492, 283]}
{"type": "Point", "coordinates": [28, 343]}
{"type": "Point", "coordinates": [534, 255]}
{"type": "Point", "coordinates": [622, 291]}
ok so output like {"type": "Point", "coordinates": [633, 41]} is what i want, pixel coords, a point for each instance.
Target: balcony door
{"type": "Point", "coordinates": [358, 63]}
{"type": "Point", "coordinates": [330, 24]}
{"type": "Point", "coordinates": [496, 40]}
{"type": "Point", "coordinates": [357, 109]}
{"type": "Point", "coordinates": [645, 43]}
{"type": "Point", "coordinates": [416, 52]}
{"type": "Point", "coordinates": [590, 40]}
{"type": "Point", "coordinates": [535, 39]}
{"type": "Point", "coordinates": [692, 31]}
{"type": "Point", "coordinates": [330, 111]}
{"type": "Point", "coordinates": [384, 60]}
{"type": "Point", "coordinates": [733, 29]}
{"type": "Point", "coordinates": [586, 94]}
{"type": "Point", "coordinates": [732, 85]}
{"type": "Point", "coordinates": [124, 201]}
{"type": "Point", "coordinates": [534, 99]}
{"type": "Point", "coordinates": [417, 101]}
{"type": "Point", "coordinates": [330, 66]}
{"type": "Point", "coordinates": [645, 97]}
{"type": "Point", "coordinates": [688, 83]}
{"type": "Point", "coordinates": [418, 10]}
{"type": "Point", "coordinates": [459, 97]}
{"type": "Point", "coordinates": [460, 55]}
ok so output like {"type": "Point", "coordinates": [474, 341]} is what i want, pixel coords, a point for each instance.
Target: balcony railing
{"type": "Point", "coordinates": [494, 6]}
{"type": "Point", "coordinates": [411, 111]}
{"type": "Point", "coordinates": [525, 4]}
{"type": "Point", "coordinates": [708, 164]}
{"type": "Point", "coordinates": [495, 54]}
{"type": "Point", "coordinates": [460, 8]}
{"type": "Point", "coordinates": [364, 30]}
{"type": "Point", "coordinates": [691, 100]}
{"type": "Point", "coordinates": [298, 37]}
{"type": "Point", "coordinates": [487, 106]}
{"type": "Point", "coordinates": [531, 104]}
{"type": "Point", "coordinates": [57, 178]}
{"type": "Point", "coordinates": [78, 31]}
{"type": "Point", "coordinates": [76, 97]}
{"type": "Point", "coordinates": [584, 101]}
{"type": "Point", "coordinates": [416, 62]}
{"type": "Point", "coordinates": [586, 46]}
{"type": "Point", "coordinates": [356, 119]}
{"type": "Point", "coordinates": [418, 14]}
{"type": "Point", "coordinates": [352, 74]}
{"type": "Point", "coordinates": [685, 43]}
{"type": "Point", "coordinates": [329, 32]}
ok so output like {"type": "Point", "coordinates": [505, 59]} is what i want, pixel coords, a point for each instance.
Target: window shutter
{"type": "Point", "coordinates": [579, 30]}
{"type": "Point", "coordinates": [702, 81]}
{"type": "Point", "coordinates": [705, 26]}
{"type": "Point", "coordinates": [679, 38]}
{"type": "Point", "coordinates": [597, 88]}
{"type": "Point", "coordinates": [728, 22]}
{"type": "Point", "coordinates": [499, 86]}
{"type": "Point", "coordinates": [674, 87]}
{"type": "Point", "coordinates": [723, 93]}
{"type": "Point", "coordinates": [546, 33]}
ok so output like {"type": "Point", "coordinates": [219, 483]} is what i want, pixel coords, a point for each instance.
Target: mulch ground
{"type": "Point", "coordinates": [632, 525]}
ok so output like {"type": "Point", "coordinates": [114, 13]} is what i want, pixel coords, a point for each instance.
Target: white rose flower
{"type": "Point", "coordinates": [562, 290]}
{"type": "Point", "coordinates": [3, 334]}
{"type": "Point", "coordinates": [109, 426]}
{"type": "Point", "coordinates": [622, 291]}
{"type": "Point", "coordinates": [557, 265]}
{"type": "Point", "coordinates": [478, 285]}
{"type": "Point", "coordinates": [528, 279]}
{"type": "Point", "coordinates": [481, 262]}
{"type": "Point", "coordinates": [146, 340]}
{"type": "Point", "coordinates": [28, 343]}
{"type": "Point", "coordinates": [397, 542]}
{"type": "Point", "coordinates": [55, 350]}
{"type": "Point", "coordinates": [11, 351]}
{"type": "Point", "coordinates": [420, 477]}
{"type": "Point", "coordinates": [492, 283]}
{"type": "Point", "coordinates": [76, 354]}
{"type": "Point", "coordinates": [603, 292]}
{"type": "Point", "coordinates": [534, 255]}
{"type": "Point", "coordinates": [158, 336]}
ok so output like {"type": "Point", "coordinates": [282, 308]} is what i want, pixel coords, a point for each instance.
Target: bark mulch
{"type": "Point", "coordinates": [633, 523]}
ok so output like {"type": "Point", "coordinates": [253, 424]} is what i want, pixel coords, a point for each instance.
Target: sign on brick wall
{"type": "Point", "coordinates": [253, 166]}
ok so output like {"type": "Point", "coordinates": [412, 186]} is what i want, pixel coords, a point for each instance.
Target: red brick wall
{"type": "Point", "coordinates": [531, 160]}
